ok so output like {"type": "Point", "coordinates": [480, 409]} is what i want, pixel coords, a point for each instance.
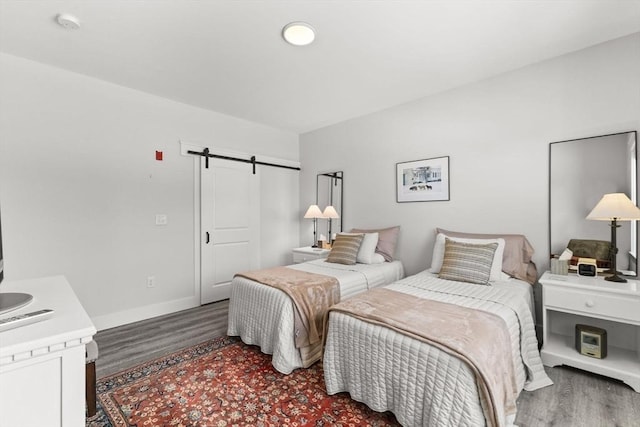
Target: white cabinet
{"type": "Point", "coordinates": [42, 365]}
{"type": "Point", "coordinates": [309, 254]}
{"type": "Point", "coordinates": [615, 307]}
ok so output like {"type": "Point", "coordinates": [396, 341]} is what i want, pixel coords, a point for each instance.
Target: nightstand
{"type": "Point", "coordinates": [615, 307]}
{"type": "Point", "coordinates": [309, 254]}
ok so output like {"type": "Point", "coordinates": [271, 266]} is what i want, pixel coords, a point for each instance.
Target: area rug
{"type": "Point", "coordinates": [224, 382]}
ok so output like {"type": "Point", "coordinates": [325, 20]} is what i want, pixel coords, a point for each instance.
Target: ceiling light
{"type": "Point", "coordinates": [67, 21]}
{"type": "Point", "coordinates": [298, 33]}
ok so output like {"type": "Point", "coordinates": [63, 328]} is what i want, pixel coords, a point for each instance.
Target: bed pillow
{"type": "Point", "coordinates": [496, 265]}
{"type": "Point", "coordinates": [466, 262]}
{"type": "Point", "coordinates": [345, 249]}
{"type": "Point", "coordinates": [516, 260]}
{"type": "Point", "coordinates": [387, 239]}
{"type": "Point", "coordinates": [377, 259]}
{"type": "Point", "coordinates": [367, 248]}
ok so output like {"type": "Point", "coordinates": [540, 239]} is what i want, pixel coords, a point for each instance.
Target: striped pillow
{"type": "Point", "coordinates": [466, 262]}
{"type": "Point", "coordinates": [345, 249]}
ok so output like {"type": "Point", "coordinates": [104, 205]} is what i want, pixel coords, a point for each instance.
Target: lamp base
{"type": "Point", "coordinates": [615, 278]}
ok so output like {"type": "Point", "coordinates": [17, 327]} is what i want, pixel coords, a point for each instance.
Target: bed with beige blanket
{"type": "Point", "coordinates": [437, 351]}
{"type": "Point", "coordinates": [265, 314]}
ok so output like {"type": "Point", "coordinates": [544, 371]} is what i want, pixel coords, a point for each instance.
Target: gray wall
{"type": "Point", "coordinates": [80, 188]}
{"type": "Point", "coordinates": [497, 134]}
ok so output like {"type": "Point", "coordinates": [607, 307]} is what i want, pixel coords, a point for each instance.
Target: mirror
{"type": "Point", "coordinates": [329, 193]}
{"type": "Point", "coordinates": [581, 171]}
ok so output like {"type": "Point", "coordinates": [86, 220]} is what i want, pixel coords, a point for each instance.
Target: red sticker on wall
{"type": "Point", "coordinates": [159, 155]}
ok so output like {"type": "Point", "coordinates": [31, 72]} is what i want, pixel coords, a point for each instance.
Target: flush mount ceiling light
{"type": "Point", "coordinates": [298, 33]}
{"type": "Point", "coordinates": [69, 22]}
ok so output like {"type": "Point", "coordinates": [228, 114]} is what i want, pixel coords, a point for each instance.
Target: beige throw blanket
{"type": "Point", "coordinates": [312, 295]}
{"type": "Point", "coordinates": [478, 338]}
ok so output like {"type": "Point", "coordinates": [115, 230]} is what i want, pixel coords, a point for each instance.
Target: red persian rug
{"type": "Point", "coordinates": [224, 382]}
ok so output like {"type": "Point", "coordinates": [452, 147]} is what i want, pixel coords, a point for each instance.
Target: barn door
{"type": "Point", "coordinates": [230, 225]}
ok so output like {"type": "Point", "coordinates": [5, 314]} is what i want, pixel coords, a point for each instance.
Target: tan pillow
{"type": "Point", "coordinates": [345, 249]}
{"type": "Point", "coordinates": [387, 240]}
{"type": "Point", "coordinates": [516, 259]}
{"type": "Point", "coordinates": [466, 262]}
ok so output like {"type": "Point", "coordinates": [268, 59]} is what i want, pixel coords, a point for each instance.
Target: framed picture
{"type": "Point", "coordinates": [423, 180]}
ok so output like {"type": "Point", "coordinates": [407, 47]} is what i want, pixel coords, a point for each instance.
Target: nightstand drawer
{"type": "Point", "coordinates": [308, 254]}
{"type": "Point", "coordinates": [613, 306]}
{"type": "Point", "coordinates": [298, 257]}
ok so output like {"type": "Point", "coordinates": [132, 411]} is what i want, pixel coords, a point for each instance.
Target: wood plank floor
{"type": "Point", "coordinates": [130, 345]}
{"type": "Point", "coordinates": [577, 398]}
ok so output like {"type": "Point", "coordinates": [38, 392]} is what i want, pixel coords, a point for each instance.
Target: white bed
{"type": "Point", "coordinates": [264, 316]}
{"type": "Point", "coordinates": [421, 384]}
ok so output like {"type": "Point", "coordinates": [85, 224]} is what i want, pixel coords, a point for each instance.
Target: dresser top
{"type": "Point", "coordinates": [631, 287]}
{"type": "Point", "coordinates": [70, 325]}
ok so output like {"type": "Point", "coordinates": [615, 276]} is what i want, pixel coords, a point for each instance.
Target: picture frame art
{"type": "Point", "coordinates": [424, 180]}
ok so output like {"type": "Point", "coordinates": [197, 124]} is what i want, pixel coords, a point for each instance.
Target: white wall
{"type": "Point", "coordinates": [80, 187]}
{"type": "Point", "coordinates": [497, 134]}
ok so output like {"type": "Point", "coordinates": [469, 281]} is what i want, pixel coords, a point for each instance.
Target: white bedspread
{"type": "Point", "coordinates": [263, 316]}
{"type": "Point", "coordinates": [421, 384]}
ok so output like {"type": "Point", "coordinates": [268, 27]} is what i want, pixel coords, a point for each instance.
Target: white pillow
{"type": "Point", "coordinates": [367, 251]}
{"type": "Point", "coordinates": [367, 248]}
{"type": "Point", "coordinates": [496, 265]}
{"type": "Point", "coordinates": [378, 259]}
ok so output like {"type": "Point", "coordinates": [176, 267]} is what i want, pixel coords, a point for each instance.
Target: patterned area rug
{"type": "Point", "coordinates": [224, 382]}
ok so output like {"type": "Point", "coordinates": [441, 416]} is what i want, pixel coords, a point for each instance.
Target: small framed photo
{"type": "Point", "coordinates": [423, 180]}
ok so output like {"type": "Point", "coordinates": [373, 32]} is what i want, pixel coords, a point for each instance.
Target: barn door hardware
{"type": "Point", "coordinates": [253, 160]}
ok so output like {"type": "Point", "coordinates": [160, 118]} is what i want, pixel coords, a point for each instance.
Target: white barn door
{"type": "Point", "coordinates": [230, 225]}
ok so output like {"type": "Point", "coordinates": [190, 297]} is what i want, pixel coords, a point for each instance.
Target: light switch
{"type": "Point", "coordinates": [161, 219]}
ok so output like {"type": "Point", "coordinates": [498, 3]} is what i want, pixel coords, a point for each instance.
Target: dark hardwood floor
{"type": "Point", "coordinates": [130, 345]}
{"type": "Point", "coordinates": [577, 398]}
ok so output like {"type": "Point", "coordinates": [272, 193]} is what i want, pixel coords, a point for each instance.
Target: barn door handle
{"type": "Point", "coordinates": [208, 238]}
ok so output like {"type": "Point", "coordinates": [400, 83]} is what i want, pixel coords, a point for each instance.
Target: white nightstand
{"type": "Point", "coordinates": [308, 254]}
{"type": "Point", "coordinates": [615, 307]}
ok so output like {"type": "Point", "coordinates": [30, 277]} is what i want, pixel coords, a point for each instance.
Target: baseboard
{"type": "Point", "coordinates": [125, 317]}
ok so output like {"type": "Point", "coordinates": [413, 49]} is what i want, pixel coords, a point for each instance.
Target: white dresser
{"type": "Point", "coordinates": [42, 365]}
{"type": "Point", "coordinates": [615, 307]}
{"type": "Point", "coordinates": [309, 254]}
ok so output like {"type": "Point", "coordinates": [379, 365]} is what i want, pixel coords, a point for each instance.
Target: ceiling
{"type": "Point", "coordinates": [228, 55]}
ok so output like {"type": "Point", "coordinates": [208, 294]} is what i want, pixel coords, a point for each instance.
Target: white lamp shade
{"type": "Point", "coordinates": [615, 205]}
{"type": "Point", "coordinates": [330, 212]}
{"type": "Point", "coordinates": [313, 212]}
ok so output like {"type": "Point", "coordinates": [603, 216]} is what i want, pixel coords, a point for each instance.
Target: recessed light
{"type": "Point", "coordinates": [298, 33]}
{"type": "Point", "coordinates": [69, 22]}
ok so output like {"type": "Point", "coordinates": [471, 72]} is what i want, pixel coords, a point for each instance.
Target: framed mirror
{"type": "Point", "coordinates": [329, 193]}
{"type": "Point", "coordinates": [581, 171]}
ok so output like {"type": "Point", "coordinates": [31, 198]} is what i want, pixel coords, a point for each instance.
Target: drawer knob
{"type": "Point", "coordinates": [589, 303]}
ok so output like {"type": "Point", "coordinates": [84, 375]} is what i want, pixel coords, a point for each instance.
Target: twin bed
{"type": "Point", "coordinates": [264, 316]}
{"type": "Point", "coordinates": [442, 347]}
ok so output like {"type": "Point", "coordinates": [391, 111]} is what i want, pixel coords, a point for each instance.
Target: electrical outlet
{"type": "Point", "coordinates": [161, 219]}
{"type": "Point", "coordinates": [151, 282]}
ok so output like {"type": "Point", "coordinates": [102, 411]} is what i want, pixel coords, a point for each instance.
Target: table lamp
{"type": "Point", "coordinates": [314, 213]}
{"type": "Point", "coordinates": [614, 207]}
{"type": "Point", "coordinates": [330, 213]}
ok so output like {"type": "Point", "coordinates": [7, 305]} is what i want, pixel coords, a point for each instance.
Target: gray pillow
{"type": "Point", "coordinates": [466, 262]}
